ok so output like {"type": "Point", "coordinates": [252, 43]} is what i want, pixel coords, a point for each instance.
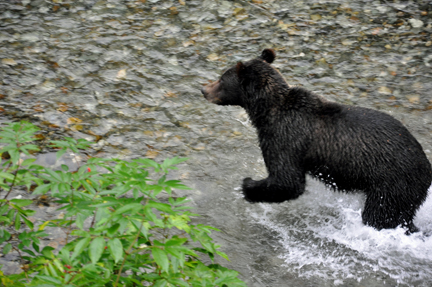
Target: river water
{"type": "Point", "coordinates": [128, 74]}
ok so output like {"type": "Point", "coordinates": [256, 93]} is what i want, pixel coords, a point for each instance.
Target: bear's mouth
{"type": "Point", "coordinates": [211, 98]}
{"type": "Point", "coordinates": [209, 95]}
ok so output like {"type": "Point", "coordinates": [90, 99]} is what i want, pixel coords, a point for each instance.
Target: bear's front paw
{"type": "Point", "coordinates": [248, 182]}
{"type": "Point", "coordinates": [249, 190]}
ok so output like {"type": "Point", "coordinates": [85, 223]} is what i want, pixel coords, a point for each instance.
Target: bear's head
{"type": "Point", "coordinates": [246, 81]}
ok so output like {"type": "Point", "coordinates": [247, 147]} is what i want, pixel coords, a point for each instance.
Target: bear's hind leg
{"type": "Point", "coordinates": [266, 191]}
{"type": "Point", "coordinates": [383, 211]}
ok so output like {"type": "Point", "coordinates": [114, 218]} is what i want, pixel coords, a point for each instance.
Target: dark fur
{"type": "Point", "coordinates": [347, 147]}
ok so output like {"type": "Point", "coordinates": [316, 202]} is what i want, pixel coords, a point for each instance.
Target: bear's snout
{"type": "Point", "coordinates": [205, 92]}
{"type": "Point", "coordinates": [210, 92]}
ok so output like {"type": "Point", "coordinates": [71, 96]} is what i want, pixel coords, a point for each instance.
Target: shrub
{"type": "Point", "coordinates": [118, 230]}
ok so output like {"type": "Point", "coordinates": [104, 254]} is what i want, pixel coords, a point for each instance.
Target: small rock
{"type": "Point", "coordinates": [413, 99]}
{"type": "Point", "coordinates": [188, 43]}
{"type": "Point", "coordinates": [384, 90]}
{"type": "Point", "coordinates": [10, 62]}
{"type": "Point", "coordinates": [347, 42]}
{"type": "Point", "coordinates": [315, 17]}
{"type": "Point", "coordinates": [416, 23]}
{"type": "Point", "coordinates": [239, 10]}
{"type": "Point", "coordinates": [152, 154]}
{"type": "Point", "coordinates": [71, 121]}
{"type": "Point", "coordinates": [212, 57]}
{"type": "Point", "coordinates": [121, 74]}
{"type": "Point", "coordinates": [48, 86]}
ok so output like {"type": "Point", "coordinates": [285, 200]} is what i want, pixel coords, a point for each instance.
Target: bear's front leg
{"type": "Point", "coordinates": [266, 191]}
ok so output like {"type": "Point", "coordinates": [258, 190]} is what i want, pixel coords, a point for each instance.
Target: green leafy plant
{"type": "Point", "coordinates": [118, 230]}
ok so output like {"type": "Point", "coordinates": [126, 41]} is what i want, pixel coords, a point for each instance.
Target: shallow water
{"type": "Point", "coordinates": [127, 74]}
{"type": "Point", "coordinates": [331, 236]}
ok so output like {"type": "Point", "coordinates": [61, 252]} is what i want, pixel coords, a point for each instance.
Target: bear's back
{"type": "Point", "coordinates": [353, 146]}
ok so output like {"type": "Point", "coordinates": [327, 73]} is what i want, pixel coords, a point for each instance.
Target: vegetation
{"type": "Point", "coordinates": [118, 232]}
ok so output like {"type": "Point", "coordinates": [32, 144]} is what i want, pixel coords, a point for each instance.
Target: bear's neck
{"type": "Point", "coordinates": [267, 108]}
{"type": "Point", "coordinates": [263, 111]}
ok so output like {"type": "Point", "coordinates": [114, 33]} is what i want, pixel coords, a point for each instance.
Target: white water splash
{"type": "Point", "coordinates": [322, 235]}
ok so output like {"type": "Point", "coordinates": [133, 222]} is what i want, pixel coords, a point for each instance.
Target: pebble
{"type": "Point", "coordinates": [10, 62]}
{"type": "Point", "coordinates": [384, 90]}
{"type": "Point", "coordinates": [416, 23]}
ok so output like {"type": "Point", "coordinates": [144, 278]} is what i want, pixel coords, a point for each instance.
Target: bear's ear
{"type": "Point", "coordinates": [240, 70]}
{"type": "Point", "coordinates": [268, 55]}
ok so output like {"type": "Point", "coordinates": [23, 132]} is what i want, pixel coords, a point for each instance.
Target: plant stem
{"type": "Point", "coordinates": [13, 182]}
{"type": "Point", "coordinates": [127, 254]}
{"type": "Point", "coordinates": [94, 219]}
{"type": "Point", "coordinates": [70, 280]}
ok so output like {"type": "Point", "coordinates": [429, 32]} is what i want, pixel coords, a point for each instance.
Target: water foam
{"type": "Point", "coordinates": [322, 234]}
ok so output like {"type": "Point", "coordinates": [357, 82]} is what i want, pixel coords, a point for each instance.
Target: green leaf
{"type": "Point", "coordinates": [84, 144]}
{"type": "Point", "coordinates": [28, 161]}
{"type": "Point", "coordinates": [47, 252]}
{"type": "Point", "coordinates": [176, 184]}
{"type": "Point", "coordinates": [11, 214]}
{"type": "Point", "coordinates": [160, 283]}
{"type": "Point", "coordinates": [35, 246]}
{"type": "Point", "coordinates": [105, 204]}
{"type": "Point", "coordinates": [26, 147]}
{"type": "Point", "coordinates": [131, 207]}
{"type": "Point", "coordinates": [43, 225]}
{"type": "Point", "coordinates": [116, 249]}
{"type": "Point", "coordinates": [62, 187]}
{"type": "Point", "coordinates": [223, 255]}
{"type": "Point", "coordinates": [3, 209]}
{"type": "Point", "coordinates": [28, 251]}
{"type": "Point", "coordinates": [49, 279]}
{"type": "Point", "coordinates": [160, 206]}
{"type": "Point", "coordinates": [5, 220]}
{"type": "Point", "coordinates": [170, 162]}
{"type": "Point", "coordinates": [7, 248]}
{"type": "Point", "coordinates": [112, 230]}
{"type": "Point", "coordinates": [157, 189]}
{"type": "Point", "coordinates": [4, 235]}
{"type": "Point", "coordinates": [175, 263]}
{"type": "Point", "coordinates": [138, 224]}
{"type": "Point", "coordinates": [81, 245]}
{"type": "Point", "coordinates": [147, 162]}
{"type": "Point", "coordinates": [42, 189]}
{"type": "Point", "coordinates": [7, 175]}
{"type": "Point", "coordinates": [55, 175]}
{"type": "Point", "coordinates": [14, 154]}
{"type": "Point", "coordinates": [208, 245]}
{"type": "Point", "coordinates": [175, 242]}
{"type": "Point", "coordinates": [58, 265]}
{"type": "Point", "coordinates": [80, 220]}
{"type": "Point", "coordinates": [162, 180]}
{"type": "Point", "coordinates": [28, 223]}
{"type": "Point", "coordinates": [21, 202]}
{"type": "Point", "coordinates": [88, 187]}
{"type": "Point", "coordinates": [17, 221]}
{"type": "Point", "coordinates": [181, 222]}
{"type": "Point", "coordinates": [96, 249]}
{"type": "Point", "coordinates": [161, 258]}
{"type": "Point", "coordinates": [178, 282]}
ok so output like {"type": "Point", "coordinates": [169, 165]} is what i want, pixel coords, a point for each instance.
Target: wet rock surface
{"type": "Point", "coordinates": [128, 74]}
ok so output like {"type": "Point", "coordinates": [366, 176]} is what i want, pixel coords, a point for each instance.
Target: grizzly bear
{"type": "Point", "coordinates": [349, 148]}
